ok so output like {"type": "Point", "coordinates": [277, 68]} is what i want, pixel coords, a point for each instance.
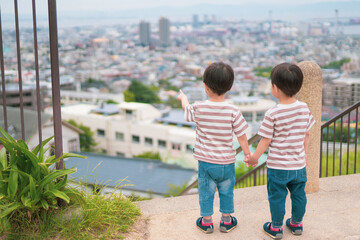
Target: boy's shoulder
{"type": "Point", "coordinates": [279, 108]}
{"type": "Point", "coordinates": [208, 103]}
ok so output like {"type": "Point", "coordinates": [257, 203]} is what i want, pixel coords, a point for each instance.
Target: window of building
{"type": "Point", "coordinates": [148, 141]}
{"type": "Point", "coordinates": [259, 116]}
{"type": "Point", "coordinates": [135, 139]}
{"type": "Point", "coordinates": [189, 148]}
{"type": "Point", "coordinates": [120, 154]}
{"type": "Point", "coordinates": [175, 146]}
{"type": "Point", "coordinates": [100, 132]}
{"type": "Point", "coordinates": [73, 145]}
{"type": "Point", "coordinates": [162, 143]}
{"type": "Point", "coordinates": [129, 114]}
{"type": "Point", "coordinates": [248, 116]}
{"type": "Point", "coordinates": [119, 136]}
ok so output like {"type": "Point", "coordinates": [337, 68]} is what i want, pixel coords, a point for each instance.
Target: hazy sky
{"type": "Point", "coordinates": [7, 6]}
{"type": "Point", "coordinates": [126, 4]}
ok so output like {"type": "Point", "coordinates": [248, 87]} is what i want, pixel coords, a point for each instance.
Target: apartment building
{"type": "Point", "coordinates": [342, 92]}
{"type": "Point", "coordinates": [29, 99]}
{"type": "Point", "coordinates": [73, 97]}
{"type": "Point", "coordinates": [128, 129]}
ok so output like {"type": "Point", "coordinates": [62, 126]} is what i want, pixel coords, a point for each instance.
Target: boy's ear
{"type": "Point", "coordinates": [276, 89]}
{"type": "Point", "coordinates": [206, 87]}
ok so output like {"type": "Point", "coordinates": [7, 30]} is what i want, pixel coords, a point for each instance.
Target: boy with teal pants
{"type": "Point", "coordinates": [285, 130]}
{"type": "Point", "coordinates": [216, 123]}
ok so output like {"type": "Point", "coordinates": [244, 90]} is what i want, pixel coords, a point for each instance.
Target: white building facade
{"type": "Point", "coordinates": [134, 130]}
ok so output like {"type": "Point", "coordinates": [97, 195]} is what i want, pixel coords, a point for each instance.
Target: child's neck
{"type": "Point", "coordinates": [217, 98]}
{"type": "Point", "coordinates": [286, 100]}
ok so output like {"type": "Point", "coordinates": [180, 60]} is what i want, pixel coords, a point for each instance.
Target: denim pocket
{"type": "Point", "coordinates": [303, 174]}
{"type": "Point", "coordinates": [281, 175]}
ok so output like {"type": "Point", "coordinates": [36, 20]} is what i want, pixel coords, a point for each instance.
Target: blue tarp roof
{"type": "Point", "coordinates": [145, 174]}
{"type": "Point", "coordinates": [175, 116]}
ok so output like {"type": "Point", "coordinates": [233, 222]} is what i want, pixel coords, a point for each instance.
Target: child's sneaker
{"type": "Point", "coordinates": [296, 229]}
{"type": "Point", "coordinates": [275, 233]}
{"type": "Point", "coordinates": [227, 227]}
{"type": "Point", "coordinates": [205, 227]}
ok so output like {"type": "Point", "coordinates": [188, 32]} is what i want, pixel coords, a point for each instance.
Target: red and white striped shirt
{"type": "Point", "coordinates": [216, 122]}
{"type": "Point", "coordinates": [286, 125]}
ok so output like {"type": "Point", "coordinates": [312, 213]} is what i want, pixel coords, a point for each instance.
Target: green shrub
{"type": "Point", "coordinates": [28, 180]}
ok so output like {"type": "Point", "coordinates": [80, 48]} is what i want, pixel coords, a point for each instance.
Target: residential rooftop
{"type": "Point", "coordinates": [144, 174]}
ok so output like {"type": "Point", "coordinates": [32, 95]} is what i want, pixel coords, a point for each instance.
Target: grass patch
{"type": "Point", "coordinates": [333, 166]}
{"type": "Point", "coordinates": [99, 217]}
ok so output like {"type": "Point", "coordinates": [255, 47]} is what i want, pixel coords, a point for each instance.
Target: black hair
{"type": "Point", "coordinates": [287, 77]}
{"type": "Point", "coordinates": [219, 77]}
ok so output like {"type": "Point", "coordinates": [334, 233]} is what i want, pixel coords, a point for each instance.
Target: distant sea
{"type": "Point", "coordinates": [352, 30]}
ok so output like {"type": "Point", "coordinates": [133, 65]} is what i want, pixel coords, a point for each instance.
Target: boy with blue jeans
{"type": "Point", "coordinates": [216, 122]}
{"type": "Point", "coordinates": [285, 130]}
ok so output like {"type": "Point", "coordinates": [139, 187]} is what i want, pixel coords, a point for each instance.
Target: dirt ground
{"type": "Point", "coordinates": [139, 231]}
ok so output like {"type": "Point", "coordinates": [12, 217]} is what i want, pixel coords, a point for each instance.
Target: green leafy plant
{"type": "Point", "coordinates": [174, 190]}
{"type": "Point", "coordinates": [28, 180]}
{"type": "Point", "coordinates": [149, 155]}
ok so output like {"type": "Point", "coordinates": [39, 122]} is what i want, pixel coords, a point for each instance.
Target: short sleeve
{"type": "Point", "coordinates": [267, 126]}
{"type": "Point", "coordinates": [311, 122]}
{"type": "Point", "coordinates": [239, 124]}
{"type": "Point", "coordinates": [189, 113]}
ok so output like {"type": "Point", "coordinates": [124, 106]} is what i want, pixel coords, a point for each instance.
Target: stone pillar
{"type": "Point", "coordinates": [311, 94]}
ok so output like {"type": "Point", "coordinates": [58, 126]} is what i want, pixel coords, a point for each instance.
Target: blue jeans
{"type": "Point", "coordinates": [278, 183]}
{"type": "Point", "coordinates": [210, 177]}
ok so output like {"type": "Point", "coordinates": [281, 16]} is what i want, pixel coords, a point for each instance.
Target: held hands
{"type": "Point", "coordinates": [250, 160]}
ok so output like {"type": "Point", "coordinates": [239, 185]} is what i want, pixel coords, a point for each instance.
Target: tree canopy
{"type": "Point", "coordinates": [139, 92]}
{"type": "Point", "coordinates": [336, 64]}
{"type": "Point", "coordinates": [87, 142]}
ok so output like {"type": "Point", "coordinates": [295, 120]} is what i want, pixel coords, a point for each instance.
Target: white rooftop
{"type": "Point", "coordinates": [251, 104]}
{"type": "Point", "coordinates": [347, 80]}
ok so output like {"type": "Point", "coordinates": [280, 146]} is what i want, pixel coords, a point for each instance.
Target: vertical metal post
{"type": "Point", "coordinates": [348, 145]}
{"type": "Point", "coordinates": [334, 148]}
{"type": "Point", "coordinates": [356, 135]}
{"type": "Point", "coordinates": [321, 151]}
{"type": "Point", "coordinates": [38, 100]}
{"type": "Point", "coordinates": [255, 178]}
{"type": "Point", "coordinates": [55, 81]}
{"type": "Point", "coordinates": [341, 133]}
{"type": "Point", "coordinates": [19, 70]}
{"type": "Point", "coordinates": [327, 151]}
{"type": "Point", "coordinates": [3, 92]}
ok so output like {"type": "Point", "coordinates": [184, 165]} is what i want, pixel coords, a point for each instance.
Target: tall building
{"type": "Point", "coordinates": [195, 21]}
{"type": "Point", "coordinates": [144, 32]}
{"type": "Point", "coordinates": [164, 31]}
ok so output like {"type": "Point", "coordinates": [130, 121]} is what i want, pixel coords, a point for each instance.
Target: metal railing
{"type": "Point", "coordinates": [255, 177]}
{"type": "Point", "coordinates": [251, 141]}
{"type": "Point", "coordinates": [54, 60]}
{"type": "Point", "coordinates": [339, 140]}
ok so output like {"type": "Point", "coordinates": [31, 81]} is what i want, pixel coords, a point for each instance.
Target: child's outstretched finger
{"type": "Point", "coordinates": [179, 97]}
